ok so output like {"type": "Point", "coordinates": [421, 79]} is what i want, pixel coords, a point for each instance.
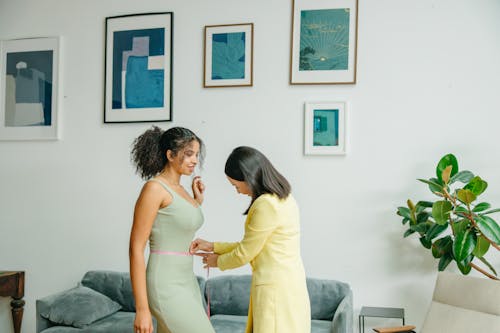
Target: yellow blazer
{"type": "Point", "coordinates": [279, 301]}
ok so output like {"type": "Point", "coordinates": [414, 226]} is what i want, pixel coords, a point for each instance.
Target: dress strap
{"type": "Point", "coordinates": [165, 186]}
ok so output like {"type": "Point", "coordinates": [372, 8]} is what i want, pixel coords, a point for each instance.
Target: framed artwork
{"type": "Point", "coordinates": [138, 78]}
{"type": "Point", "coordinates": [324, 37]}
{"type": "Point", "coordinates": [29, 83]}
{"type": "Point", "coordinates": [228, 55]}
{"type": "Point", "coordinates": [325, 128]}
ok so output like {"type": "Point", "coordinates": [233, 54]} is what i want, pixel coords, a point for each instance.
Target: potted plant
{"type": "Point", "coordinates": [456, 226]}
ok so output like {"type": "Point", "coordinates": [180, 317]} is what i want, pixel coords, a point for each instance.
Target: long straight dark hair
{"type": "Point", "coordinates": [251, 166]}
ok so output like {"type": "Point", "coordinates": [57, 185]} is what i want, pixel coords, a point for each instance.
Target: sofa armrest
{"type": "Point", "coordinates": [342, 321]}
{"type": "Point", "coordinates": [41, 322]}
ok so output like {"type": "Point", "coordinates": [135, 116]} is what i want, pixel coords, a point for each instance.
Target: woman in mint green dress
{"type": "Point", "coordinates": [168, 216]}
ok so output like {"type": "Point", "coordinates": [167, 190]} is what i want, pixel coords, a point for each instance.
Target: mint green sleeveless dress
{"type": "Point", "coordinates": [173, 291]}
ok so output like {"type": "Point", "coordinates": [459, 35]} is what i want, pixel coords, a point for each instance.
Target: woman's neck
{"type": "Point", "coordinates": [172, 177]}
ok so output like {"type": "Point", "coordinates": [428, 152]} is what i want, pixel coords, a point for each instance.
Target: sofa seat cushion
{"type": "Point", "coordinates": [78, 307]}
{"type": "Point", "coordinates": [119, 322]}
{"type": "Point", "coordinates": [448, 318]}
{"type": "Point", "coordinates": [321, 326]}
{"type": "Point", "coordinates": [229, 323]}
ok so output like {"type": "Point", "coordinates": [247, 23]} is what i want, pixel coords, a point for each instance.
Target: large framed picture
{"type": "Point", "coordinates": [325, 128]}
{"type": "Point", "coordinates": [324, 37]}
{"type": "Point", "coordinates": [228, 55]}
{"type": "Point", "coordinates": [29, 84]}
{"type": "Point", "coordinates": [138, 78]}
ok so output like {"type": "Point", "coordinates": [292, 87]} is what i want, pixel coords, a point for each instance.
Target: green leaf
{"type": "Point", "coordinates": [435, 230]}
{"type": "Point", "coordinates": [492, 211]}
{"type": "Point", "coordinates": [435, 185]}
{"type": "Point", "coordinates": [408, 233]}
{"type": "Point", "coordinates": [446, 161]}
{"type": "Point", "coordinates": [460, 226]}
{"type": "Point", "coordinates": [441, 211]}
{"type": "Point", "coordinates": [463, 245]}
{"type": "Point", "coordinates": [489, 228]}
{"type": "Point", "coordinates": [481, 206]}
{"type": "Point", "coordinates": [420, 228]}
{"type": "Point", "coordinates": [476, 185]}
{"type": "Point", "coordinates": [405, 220]}
{"type": "Point", "coordinates": [426, 204]}
{"type": "Point", "coordinates": [462, 176]}
{"type": "Point", "coordinates": [466, 196]}
{"type": "Point", "coordinates": [423, 217]}
{"type": "Point", "coordinates": [442, 246]}
{"type": "Point", "coordinates": [425, 243]}
{"type": "Point", "coordinates": [482, 247]}
{"type": "Point", "coordinates": [464, 266]}
{"type": "Point", "coordinates": [444, 262]}
{"type": "Point", "coordinates": [404, 212]}
{"type": "Point", "coordinates": [461, 209]}
{"type": "Point", "coordinates": [488, 264]}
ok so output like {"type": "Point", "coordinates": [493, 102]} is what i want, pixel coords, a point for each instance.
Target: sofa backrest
{"type": "Point", "coordinates": [229, 294]}
{"type": "Point", "coordinates": [463, 304]}
{"type": "Point", "coordinates": [115, 285]}
{"type": "Point", "coordinates": [325, 297]}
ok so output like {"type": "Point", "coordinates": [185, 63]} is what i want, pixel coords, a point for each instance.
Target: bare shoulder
{"type": "Point", "coordinates": [153, 191]}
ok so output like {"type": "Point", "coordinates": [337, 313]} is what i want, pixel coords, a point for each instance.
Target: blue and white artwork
{"type": "Point", "coordinates": [326, 127]}
{"type": "Point", "coordinates": [28, 88]}
{"type": "Point", "coordinates": [324, 39]}
{"type": "Point", "coordinates": [138, 76]}
{"type": "Point", "coordinates": [228, 56]}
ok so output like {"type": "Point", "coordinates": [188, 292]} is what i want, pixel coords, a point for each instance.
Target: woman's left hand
{"type": "Point", "coordinates": [210, 260]}
{"type": "Point", "coordinates": [198, 189]}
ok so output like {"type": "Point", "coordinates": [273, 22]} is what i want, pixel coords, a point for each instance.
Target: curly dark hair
{"type": "Point", "coordinates": [149, 149]}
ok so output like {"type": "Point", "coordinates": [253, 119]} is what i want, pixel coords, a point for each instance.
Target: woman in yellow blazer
{"type": "Point", "coordinates": [279, 301]}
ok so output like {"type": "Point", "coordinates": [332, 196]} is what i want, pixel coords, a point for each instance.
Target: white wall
{"type": "Point", "coordinates": [428, 84]}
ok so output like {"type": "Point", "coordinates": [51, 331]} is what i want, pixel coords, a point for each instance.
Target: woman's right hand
{"type": "Point", "coordinates": [201, 245]}
{"type": "Point", "coordinates": [143, 322]}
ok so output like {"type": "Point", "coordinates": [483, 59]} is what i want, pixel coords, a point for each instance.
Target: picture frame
{"type": "Point", "coordinates": [228, 56]}
{"type": "Point", "coordinates": [29, 89]}
{"type": "Point", "coordinates": [324, 42]}
{"type": "Point", "coordinates": [325, 128]}
{"type": "Point", "coordinates": [138, 68]}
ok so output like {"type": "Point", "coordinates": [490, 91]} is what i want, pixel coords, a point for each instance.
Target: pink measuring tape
{"type": "Point", "coordinates": [187, 254]}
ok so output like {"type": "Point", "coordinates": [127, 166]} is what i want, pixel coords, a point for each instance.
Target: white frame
{"type": "Point", "coordinates": [207, 64]}
{"type": "Point", "coordinates": [41, 132]}
{"type": "Point", "coordinates": [323, 76]}
{"type": "Point", "coordinates": [309, 148]}
{"type": "Point", "coordinates": [137, 22]}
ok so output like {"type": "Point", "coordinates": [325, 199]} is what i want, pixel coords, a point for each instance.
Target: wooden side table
{"type": "Point", "coordinates": [12, 284]}
{"type": "Point", "coordinates": [367, 311]}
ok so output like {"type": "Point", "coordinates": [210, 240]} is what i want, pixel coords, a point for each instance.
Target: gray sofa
{"type": "Point", "coordinates": [103, 302]}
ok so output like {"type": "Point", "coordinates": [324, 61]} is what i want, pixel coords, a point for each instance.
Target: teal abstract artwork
{"type": "Point", "coordinates": [228, 56]}
{"type": "Point", "coordinates": [324, 39]}
{"type": "Point", "coordinates": [326, 128]}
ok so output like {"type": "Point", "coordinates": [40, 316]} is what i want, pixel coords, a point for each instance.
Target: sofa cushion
{"type": "Point", "coordinates": [321, 326]}
{"type": "Point", "coordinates": [229, 294]}
{"type": "Point", "coordinates": [229, 323]}
{"type": "Point", "coordinates": [325, 296]}
{"type": "Point", "coordinates": [115, 285]}
{"type": "Point", "coordinates": [78, 307]}
{"type": "Point", "coordinates": [448, 318]}
{"type": "Point", "coordinates": [119, 322]}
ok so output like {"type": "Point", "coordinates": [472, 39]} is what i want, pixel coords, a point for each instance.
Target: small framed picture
{"type": "Point", "coordinates": [228, 55]}
{"type": "Point", "coordinates": [29, 84]}
{"type": "Point", "coordinates": [325, 128]}
{"type": "Point", "coordinates": [324, 35]}
{"type": "Point", "coordinates": [138, 68]}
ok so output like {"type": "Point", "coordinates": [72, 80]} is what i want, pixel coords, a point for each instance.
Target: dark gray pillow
{"type": "Point", "coordinates": [79, 307]}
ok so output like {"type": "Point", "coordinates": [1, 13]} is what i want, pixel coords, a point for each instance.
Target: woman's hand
{"type": "Point", "coordinates": [210, 260]}
{"type": "Point", "coordinates": [201, 245]}
{"type": "Point", "coordinates": [198, 188]}
{"type": "Point", "coordinates": [143, 322]}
